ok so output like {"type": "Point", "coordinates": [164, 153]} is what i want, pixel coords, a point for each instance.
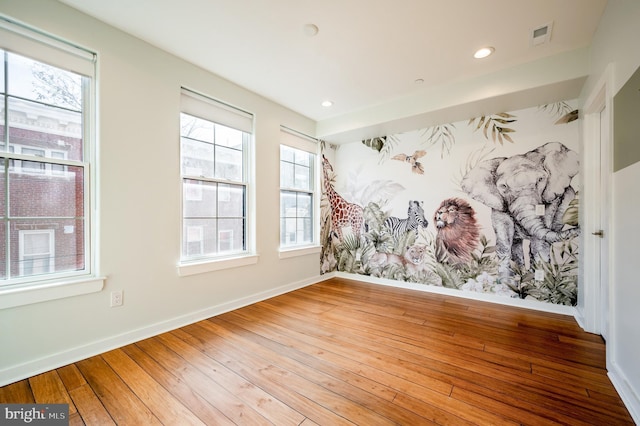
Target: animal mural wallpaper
{"type": "Point", "coordinates": [487, 205]}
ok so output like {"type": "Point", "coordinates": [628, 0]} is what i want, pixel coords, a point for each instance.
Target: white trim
{"type": "Point", "coordinates": [43, 292]}
{"type": "Point", "coordinates": [629, 398]}
{"type": "Point", "coordinates": [289, 252]}
{"type": "Point", "coordinates": [48, 363]}
{"type": "Point", "coordinates": [519, 303]}
{"type": "Point", "coordinates": [210, 265]}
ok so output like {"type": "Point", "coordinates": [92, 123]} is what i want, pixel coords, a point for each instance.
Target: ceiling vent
{"type": "Point", "coordinates": [541, 35]}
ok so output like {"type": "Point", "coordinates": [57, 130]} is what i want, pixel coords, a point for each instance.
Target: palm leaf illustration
{"type": "Point", "coordinates": [495, 127]}
{"type": "Point", "coordinates": [442, 134]}
{"type": "Point", "coordinates": [563, 110]}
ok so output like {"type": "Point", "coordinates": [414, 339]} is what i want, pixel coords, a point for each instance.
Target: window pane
{"type": "Point", "coordinates": [230, 235]}
{"type": "Point", "coordinates": [287, 154]}
{"type": "Point", "coordinates": [305, 231]}
{"type": "Point", "coordinates": [3, 250]}
{"type": "Point", "coordinates": [197, 158]}
{"type": "Point", "coordinates": [304, 205]}
{"type": "Point", "coordinates": [288, 227]}
{"type": "Point", "coordinates": [196, 128]}
{"type": "Point", "coordinates": [34, 80]}
{"type": "Point", "coordinates": [45, 195]}
{"type": "Point", "coordinates": [286, 175]}
{"type": "Point", "coordinates": [302, 157]}
{"type": "Point", "coordinates": [45, 128]}
{"type": "Point", "coordinates": [199, 198]}
{"type": "Point", "coordinates": [3, 195]}
{"type": "Point", "coordinates": [288, 204]}
{"type": "Point", "coordinates": [226, 136]}
{"type": "Point", "coordinates": [46, 246]}
{"type": "Point", "coordinates": [303, 178]}
{"type": "Point", "coordinates": [231, 201]}
{"type": "Point", "coordinates": [199, 237]}
{"type": "Point", "coordinates": [228, 164]}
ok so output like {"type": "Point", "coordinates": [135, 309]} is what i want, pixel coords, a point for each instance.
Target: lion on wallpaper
{"type": "Point", "coordinates": [412, 259]}
{"type": "Point", "coordinates": [458, 231]}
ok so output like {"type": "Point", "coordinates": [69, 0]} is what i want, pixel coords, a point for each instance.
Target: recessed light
{"type": "Point", "coordinates": [327, 104]}
{"type": "Point", "coordinates": [310, 30]}
{"type": "Point", "coordinates": [483, 52]}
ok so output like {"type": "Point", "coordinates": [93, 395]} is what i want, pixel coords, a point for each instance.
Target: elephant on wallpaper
{"type": "Point", "coordinates": [513, 187]}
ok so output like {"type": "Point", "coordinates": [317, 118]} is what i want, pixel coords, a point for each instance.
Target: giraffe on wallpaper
{"type": "Point", "coordinates": [343, 213]}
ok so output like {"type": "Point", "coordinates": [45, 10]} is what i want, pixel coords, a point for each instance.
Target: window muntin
{"type": "Point", "coordinates": [214, 160]}
{"type": "Point", "coordinates": [44, 166]}
{"type": "Point", "coordinates": [297, 176]}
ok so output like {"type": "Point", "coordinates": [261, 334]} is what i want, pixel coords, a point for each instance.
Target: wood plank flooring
{"type": "Point", "coordinates": [344, 352]}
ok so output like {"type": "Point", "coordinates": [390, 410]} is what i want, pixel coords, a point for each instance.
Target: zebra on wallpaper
{"type": "Point", "coordinates": [415, 218]}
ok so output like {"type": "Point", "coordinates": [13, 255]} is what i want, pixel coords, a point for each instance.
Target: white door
{"type": "Point", "coordinates": [603, 232]}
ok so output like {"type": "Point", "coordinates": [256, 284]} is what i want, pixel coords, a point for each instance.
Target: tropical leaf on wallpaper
{"type": "Point", "coordinates": [570, 216]}
{"type": "Point", "coordinates": [568, 117]}
{"type": "Point", "coordinates": [360, 191]}
{"type": "Point", "coordinates": [483, 259]}
{"type": "Point", "coordinates": [373, 216]}
{"type": "Point", "coordinates": [385, 152]}
{"type": "Point", "coordinates": [563, 110]}
{"type": "Point", "coordinates": [381, 191]}
{"type": "Point", "coordinates": [450, 276]}
{"type": "Point", "coordinates": [375, 143]}
{"type": "Point", "coordinates": [494, 127]}
{"type": "Point", "coordinates": [560, 282]}
{"type": "Point", "coordinates": [441, 134]}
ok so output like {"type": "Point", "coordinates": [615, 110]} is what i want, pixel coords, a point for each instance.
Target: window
{"type": "Point", "coordinates": [46, 148]}
{"type": "Point", "coordinates": [297, 190]}
{"type": "Point", "coordinates": [214, 155]}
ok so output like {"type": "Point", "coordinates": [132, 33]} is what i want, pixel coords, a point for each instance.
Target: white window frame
{"type": "Point", "coordinates": [30, 42]}
{"type": "Point", "coordinates": [297, 140]}
{"type": "Point", "coordinates": [217, 112]}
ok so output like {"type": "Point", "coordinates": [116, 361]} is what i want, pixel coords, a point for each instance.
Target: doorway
{"type": "Point", "coordinates": [595, 202]}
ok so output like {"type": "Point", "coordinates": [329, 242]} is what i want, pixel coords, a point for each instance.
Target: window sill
{"type": "Point", "coordinates": [286, 253]}
{"type": "Point", "coordinates": [186, 269]}
{"type": "Point", "coordinates": [27, 295]}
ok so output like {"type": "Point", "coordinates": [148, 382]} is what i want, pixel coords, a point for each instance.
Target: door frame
{"type": "Point", "coordinates": [596, 174]}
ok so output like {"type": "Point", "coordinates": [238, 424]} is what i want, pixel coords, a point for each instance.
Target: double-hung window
{"type": "Point", "coordinates": [297, 190]}
{"type": "Point", "coordinates": [214, 154]}
{"type": "Point", "coordinates": [46, 149]}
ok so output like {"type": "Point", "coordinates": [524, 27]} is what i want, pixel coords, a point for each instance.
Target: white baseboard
{"type": "Point", "coordinates": [22, 371]}
{"type": "Point", "coordinates": [521, 303]}
{"type": "Point", "coordinates": [629, 397]}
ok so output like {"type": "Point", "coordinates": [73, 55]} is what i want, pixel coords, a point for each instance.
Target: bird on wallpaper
{"type": "Point", "coordinates": [416, 166]}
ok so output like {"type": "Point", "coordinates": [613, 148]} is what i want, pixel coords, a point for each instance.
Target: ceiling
{"type": "Point", "coordinates": [368, 54]}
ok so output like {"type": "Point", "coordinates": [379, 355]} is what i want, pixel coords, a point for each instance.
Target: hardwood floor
{"type": "Point", "coordinates": [344, 352]}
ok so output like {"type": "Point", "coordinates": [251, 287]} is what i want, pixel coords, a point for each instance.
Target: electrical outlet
{"type": "Point", "coordinates": [539, 276]}
{"type": "Point", "coordinates": [540, 209]}
{"type": "Point", "coordinates": [116, 298]}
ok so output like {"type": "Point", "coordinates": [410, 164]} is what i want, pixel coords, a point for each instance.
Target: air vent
{"type": "Point", "coordinates": [541, 35]}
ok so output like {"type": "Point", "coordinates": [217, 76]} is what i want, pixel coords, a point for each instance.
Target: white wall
{"type": "Point", "coordinates": [139, 205]}
{"type": "Point", "coordinates": [616, 43]}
